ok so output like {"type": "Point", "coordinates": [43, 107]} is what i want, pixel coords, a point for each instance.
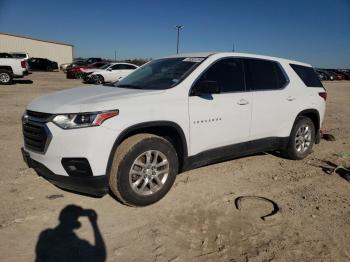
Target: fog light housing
{"type": "Point", "coordinates": [77, 167]}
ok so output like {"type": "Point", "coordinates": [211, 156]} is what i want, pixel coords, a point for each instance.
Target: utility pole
{"type": "Point", "coordinates": [178, 27]}
{"type": "Point", "coordinates": [115, 55]}
{"type": "Point", "coordinates": [233, 47]}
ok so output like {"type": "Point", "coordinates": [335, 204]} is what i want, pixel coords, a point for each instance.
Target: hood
{"type": "Point", "coordinates": [86, 99]}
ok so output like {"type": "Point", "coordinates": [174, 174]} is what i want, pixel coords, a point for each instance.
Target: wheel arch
{"type": "Point", "coordinates": [314, 115]}
{"type": "Point", "coordinates": [7, 68]}
{"type": "Point", "coordinates": [170, 130]}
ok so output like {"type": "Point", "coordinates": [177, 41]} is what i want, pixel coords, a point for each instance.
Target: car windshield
{"type": "Point", "coordinates": [161, 73]}
{"type": "Point", "coordinates": [105, 66]}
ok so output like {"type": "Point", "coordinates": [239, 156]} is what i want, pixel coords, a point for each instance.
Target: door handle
{"type": "Point", "coordinates": [243, 102]}
{"type": "Point", "coordinates": [290, 98]}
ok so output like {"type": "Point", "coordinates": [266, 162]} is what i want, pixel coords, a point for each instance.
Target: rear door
{"type": "Point", "coordinates": [126, 69]}
{"type": "Point", "coordinates": [313, 94]}
{"type": "Point", "coordinates": [222, 119]}
{"type": "Point", "coordinates": [274, 101]}
{"type": "Point", "coordinates": [114, 73]}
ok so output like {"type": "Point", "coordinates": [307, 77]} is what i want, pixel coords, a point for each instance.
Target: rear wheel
{"type": "Point", "coordinates": [79, 75]}
{"type": "Point", "coordinates": [301, 140]}
{"type": "Point", "coordinates": [144, 169]}
{"type": "Point", "coordinates": [6, 77]}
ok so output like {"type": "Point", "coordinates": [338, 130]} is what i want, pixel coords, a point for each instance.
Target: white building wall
{"type": "Point", "coordinates": [59, 53]}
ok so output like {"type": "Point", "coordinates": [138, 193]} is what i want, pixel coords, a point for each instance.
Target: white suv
{"type": "Point", "coordinates": [170, 115]}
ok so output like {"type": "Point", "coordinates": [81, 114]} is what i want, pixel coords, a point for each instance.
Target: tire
{"type": "Point", "coordinates": [301, 139]}
{"type": "Point", "coordinates": [79, 75]}
{"type": "Point", "coordinates": [49, 69]}
{"type": "Point", "coordinates": [6, 77]}
{"type": "Point", "coordinates": [127, 170]}
{"type": "Point", "coordinates": [98, 80]}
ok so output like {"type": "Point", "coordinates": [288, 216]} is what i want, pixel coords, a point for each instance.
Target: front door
{"type": "Point", "coordinates": [222, 119]}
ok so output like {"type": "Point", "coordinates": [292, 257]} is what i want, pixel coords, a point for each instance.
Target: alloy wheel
{"type": "Point", "coordinates": [149, 172]}
{"type": "Point", "coordinates": [303, 138]}
{"type": "Point", "coordinates": [4, 78]}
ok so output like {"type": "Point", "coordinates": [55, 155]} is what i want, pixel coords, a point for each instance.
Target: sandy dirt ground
{"type": "Point", "coordinates": [197, 220]}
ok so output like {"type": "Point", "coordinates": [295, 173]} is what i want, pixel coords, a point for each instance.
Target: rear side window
{"type": "Point", "coordinates": [263, 75]}
{"type": "Point", "coordinates": [228, 73]}
{"type": "Point", "coordinates": [308, 75]}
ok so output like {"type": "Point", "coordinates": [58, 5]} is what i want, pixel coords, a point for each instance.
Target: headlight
{"type": "Point", "coordinates": [70, 121]}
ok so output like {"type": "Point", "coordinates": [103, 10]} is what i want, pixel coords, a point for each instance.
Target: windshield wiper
{"type": "Point", "coordinates": [130, 86]}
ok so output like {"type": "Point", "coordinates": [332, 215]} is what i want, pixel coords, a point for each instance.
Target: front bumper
{"type": "Point", "coordinates": [93, 143]}
{"type": "Point", "coordinates": [94, 185]}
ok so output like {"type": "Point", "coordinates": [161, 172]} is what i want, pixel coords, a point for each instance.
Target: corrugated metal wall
{"type": "Point", "coordinates": [55, 52]}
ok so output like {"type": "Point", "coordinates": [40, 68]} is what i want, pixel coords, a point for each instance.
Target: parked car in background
{"type": "Point", "coordinates": [76, 63]}
{"type": "Point", "coordinates": [93, 60]}
{"type": "Point", "coordinates": [63, 67]}
{"type": "Point", "coordinates": [11, 68]}
{"type": "Point", "coordinates": [336, 75]}
{"type": "Point", "coordinates": [82, 62]}
{"type": "Point", "coordinates": [42, 64]}
{"type": "Point", "coordinates": [331, 75]}
{"type": "Point", "coordinates": [77, 71]}
{"type": "Point", "coordinates": [20, 55]}
{"type": "Point", "coordinates": [323, 75]}
{"type": "Point", "coordinates": [344, 75]}
{"type": "Point", "coordinates": [111, 73]}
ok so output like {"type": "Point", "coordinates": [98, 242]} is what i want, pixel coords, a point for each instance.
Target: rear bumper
{"type": "Point", "coordinates": [94, 185]}
{"type": "Point", "coordinates": [24, 73]}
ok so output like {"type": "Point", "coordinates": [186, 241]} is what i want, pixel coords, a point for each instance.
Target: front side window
{"type": "Point", "coordinates": [161, 73]}
{"type": "Point", "coordinates": [263, 75]}
{"type": "Point", "coordinates": [227, 73]}
{"type": "Point", "coordinates": [116, 67]}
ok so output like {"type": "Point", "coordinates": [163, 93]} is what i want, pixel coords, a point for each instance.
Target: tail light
{"type": "Point", "coordinates": [24, 64]}
{"type": "Point", "coordinates": [323, 95]}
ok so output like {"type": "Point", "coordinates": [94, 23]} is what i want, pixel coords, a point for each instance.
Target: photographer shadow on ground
{"type": "Point", "coordinates": [62, 244]}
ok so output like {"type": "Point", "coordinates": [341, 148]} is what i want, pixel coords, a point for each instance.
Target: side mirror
{"type": "Point", "coordinates": [109, 69]}
{"type": "Point", "coordinates": [206, 87]}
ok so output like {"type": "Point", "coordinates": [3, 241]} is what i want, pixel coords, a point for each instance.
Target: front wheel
{"type": "Point", "coordinates": [301, 140]}
{"type": "Point", "coordinates": [144, 169]}
{"type": "Point", "coordinates": [98, 79]}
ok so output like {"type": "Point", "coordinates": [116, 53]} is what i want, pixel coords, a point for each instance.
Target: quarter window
{"type": "Point", "coordinates": [228, 73]}
{"type": "Point", "coordinates": [263, 75]}
{"type": "Point", "coordinates": [307, 75]}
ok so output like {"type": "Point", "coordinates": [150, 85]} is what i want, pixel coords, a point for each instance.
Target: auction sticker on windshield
{"type": "Point", "coordinates": [193, 59]}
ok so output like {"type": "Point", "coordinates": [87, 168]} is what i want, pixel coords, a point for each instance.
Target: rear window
{"type": "Point", "coordinates": [19, 55]}
{"type": "Point", "coordinates": [308, 75]}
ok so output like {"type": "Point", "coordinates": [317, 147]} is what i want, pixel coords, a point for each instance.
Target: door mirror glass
{"type": "Point", "coordinates": [206, 87]}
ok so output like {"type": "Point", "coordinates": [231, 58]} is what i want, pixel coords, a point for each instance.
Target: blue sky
{"type": "Point", "coordinates": [316, 32]}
